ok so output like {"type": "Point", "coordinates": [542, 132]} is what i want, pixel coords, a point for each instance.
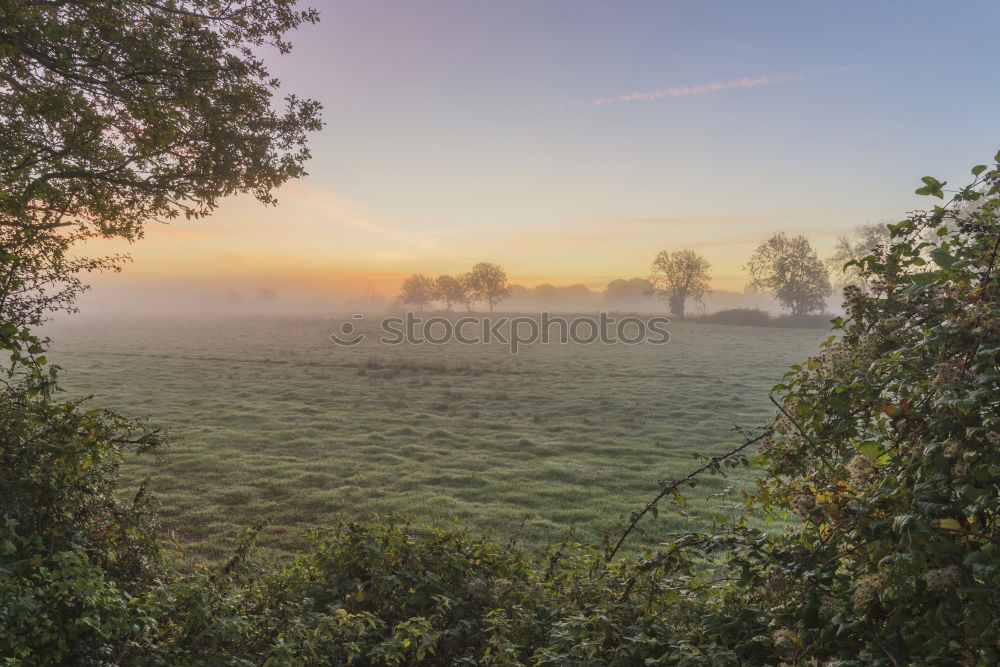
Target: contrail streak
{"type": "Point", "coordinates": [714, 86]}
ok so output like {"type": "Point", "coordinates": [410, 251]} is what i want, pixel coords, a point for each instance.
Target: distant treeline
{"type": "Point", "coordinates": [637, 295]}
{"type": "Point", "coordinates": [785, 272]}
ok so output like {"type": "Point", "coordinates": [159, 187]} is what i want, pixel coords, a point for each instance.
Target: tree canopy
{"type": "Point", "coordinates": [119, 113]}
{"type": "Point", "coordinates": [116, 114]}
{"type": "Point", "coordinates": [789, 268]}
{"type": "Point", "coordinates": [487, 282]}
{"type": "Point", "coordinates": [112, 114]}
{"type": "Point", "coordinates": [450, 290]}
{"type": "Point", "coordinates": [418, 290]}
{"type": "Point", "coordinates": [679, 276]}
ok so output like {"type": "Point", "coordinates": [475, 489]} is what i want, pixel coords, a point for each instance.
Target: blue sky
{"type": "Point", "coordinates": [460, 131]}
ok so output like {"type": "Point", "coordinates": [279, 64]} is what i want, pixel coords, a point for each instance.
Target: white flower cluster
{"type": "Point", "coordinates": [947, 373]}
{"type": "Point", "coordinates": [860, 469]}
{"type": "Point", "coordinates": [777, 583]}
{"type": "Point", "coordinates": [943, 579]}
{"type": "Point", "coordinates": [802, 503]}
{"type": "Point", "coordinates": [780, 423]}
{"type": "Point", "coordinates": [831, 606]}
{"type": "Point", "coordinates": [896, 322]}
{"type": "Point", "coordinates": [867, 588]}
{"type": "Point", "coordinates": [782, 635]}
{"type": "Point", "coordinates": [836, 355]}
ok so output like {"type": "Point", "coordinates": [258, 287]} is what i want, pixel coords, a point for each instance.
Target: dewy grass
{"type": "Point", "coordinates": [278, 425]}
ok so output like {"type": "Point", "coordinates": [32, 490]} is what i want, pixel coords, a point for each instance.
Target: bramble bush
{"type": "Point", "coordinates": [882, 464]}
{"type": "Point", "coordinates": [887, 451]}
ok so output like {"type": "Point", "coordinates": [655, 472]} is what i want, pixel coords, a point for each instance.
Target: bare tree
{"type": "Point", "coordinates": [789, 268]}
{"type": "Point", "coordinates": [679, 276]}
{"type": "Point", "coordinates": [418, 289]}
{"type": "Point", "coordinates": [487, 282]}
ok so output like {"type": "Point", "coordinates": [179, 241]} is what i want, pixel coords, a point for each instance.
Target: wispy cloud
{"type": "Point", "coordinates": [714, 86]}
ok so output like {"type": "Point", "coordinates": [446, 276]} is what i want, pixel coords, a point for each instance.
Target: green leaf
{"type": "Point", "coordinates": [978, 169]}
{"type": "Point", "coordinates": [924, 277]}
{"type": "Point", "coordinates": [943, 258]}
{"type": "Point", "coordinates": [871, 449]}
{"type": "Point", "coordinates": [932, 186]}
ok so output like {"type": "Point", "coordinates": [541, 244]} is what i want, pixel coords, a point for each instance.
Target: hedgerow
{"type": "Point", "coordinates": [882, 461]}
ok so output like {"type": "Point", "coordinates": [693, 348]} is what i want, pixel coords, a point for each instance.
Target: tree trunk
{"type": "Point", "coordinates": [677, 306]}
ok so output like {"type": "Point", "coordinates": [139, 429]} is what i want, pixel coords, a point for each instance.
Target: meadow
{"type": "Point", "coordinates": [275, 423]}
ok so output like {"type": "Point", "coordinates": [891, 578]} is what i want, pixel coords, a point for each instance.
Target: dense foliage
{"type": "Point", "coordinates": [73, 552]}
{"type": "Point", "coordinates": [887, 449]}
{"type": "Point", "coordinates": [118, 113]}
{"type": "Point", "coordinates": [115, 114]}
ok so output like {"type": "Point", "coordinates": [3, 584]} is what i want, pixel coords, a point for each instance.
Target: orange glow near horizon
{"type": "Point", "coordinates": [318, 243]}
{"type": "Point", "coordinates": [569, 164]}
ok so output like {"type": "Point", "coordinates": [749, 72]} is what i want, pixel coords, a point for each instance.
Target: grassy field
{"type": "Point", "coordinates": [277, 423]}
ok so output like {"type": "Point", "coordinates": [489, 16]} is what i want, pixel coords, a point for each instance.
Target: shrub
{"type": "Point", "coordinates": [887, 448]}
{"type": "Point", "coordinates": [74, 555]}
{"type": "Point", "coordinates": [743, 316]}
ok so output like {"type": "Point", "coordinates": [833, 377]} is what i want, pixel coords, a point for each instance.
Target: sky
{"type": "Point", "coordinates": [571, 140]}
